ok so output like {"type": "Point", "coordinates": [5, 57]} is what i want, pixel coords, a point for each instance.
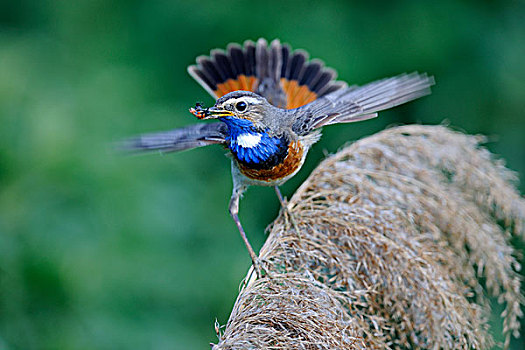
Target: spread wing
{"type": "Point", "coordinates": [286, 78]}
{"type": "Point", "coordinates": [355, 103]}
{"type": "Point", "coordinates": [181, 139]}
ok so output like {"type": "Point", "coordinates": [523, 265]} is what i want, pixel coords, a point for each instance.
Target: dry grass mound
{"type": "Point", "coordinates": [384, 247]}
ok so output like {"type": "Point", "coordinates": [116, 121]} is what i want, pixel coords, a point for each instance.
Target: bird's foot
{"type": "Point", "coordinates": [261, 268]}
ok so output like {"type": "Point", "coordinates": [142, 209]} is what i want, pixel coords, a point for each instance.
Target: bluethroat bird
{"type": "Point", "coordinates": [271, 104]}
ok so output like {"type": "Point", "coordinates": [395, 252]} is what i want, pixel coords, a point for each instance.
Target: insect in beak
{"type": "Point", "coordinates": [199, 112]}
{"type": "Point", "coordinates": [209, 113]}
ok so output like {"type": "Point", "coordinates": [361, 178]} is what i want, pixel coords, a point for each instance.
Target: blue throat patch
{"type": "Point", "coordinates": [264, 151]}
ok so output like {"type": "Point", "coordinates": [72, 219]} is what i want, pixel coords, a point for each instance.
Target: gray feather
{"type": "Point", "coordinates": [268, 69]}
{"type": "Point", "coordinates": [359, 103]}
{"type": "Point", "coordinates": [262, 59]}
{"type": "Point", "coordinates": [188, 137]}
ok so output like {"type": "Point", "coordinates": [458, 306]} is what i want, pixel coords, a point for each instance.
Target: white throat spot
{"type": "Point", "coordinates": [248, 140]}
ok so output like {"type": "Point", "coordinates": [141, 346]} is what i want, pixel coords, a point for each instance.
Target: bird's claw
{"type": "Point", "coordinates": [261, 270]}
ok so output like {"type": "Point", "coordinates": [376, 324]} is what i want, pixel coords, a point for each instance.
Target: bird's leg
{"type": "Point", "coordinates": [234, 212]}
{"type": "Point", "coordinates": [284, 205]}
{"type": "Point", "coordinates": [281, 198]}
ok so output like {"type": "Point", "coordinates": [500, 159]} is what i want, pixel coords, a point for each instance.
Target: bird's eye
{"type": "Point", "coordinates": [241, 106]}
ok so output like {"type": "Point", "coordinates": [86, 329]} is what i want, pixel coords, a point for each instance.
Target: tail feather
{"type": "Point", "coordinates": [323, 85]}
{"type": "Point", "coordinates": [297, 62]}
{"type": "Point", "coordinates": [249, 54]}
{"type": "Point", "coordinates": [286, 78]}
{"type": "Point", "coordinates": [311, 73]}
{"type": "Point", "coordinates": [275, 63]}
{"type": "Point", "coordinates": [286, 52]}
{"type": "Point", "coordinates": [237, 59]}
{"type": "Point", "coordinates": [223, 65]}
{"type": "Point", "coordinates": [262, 60]}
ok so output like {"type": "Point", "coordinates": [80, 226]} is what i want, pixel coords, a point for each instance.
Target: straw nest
{"type": "Point", "coordinates": [384, 246]}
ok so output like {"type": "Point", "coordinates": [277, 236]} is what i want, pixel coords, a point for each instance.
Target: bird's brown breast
{"type": "Point", "coordinates": [290, 164]}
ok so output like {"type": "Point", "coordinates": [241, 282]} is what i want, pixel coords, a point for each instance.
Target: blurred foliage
{"type": "Point", "coordinates": [103, 251]}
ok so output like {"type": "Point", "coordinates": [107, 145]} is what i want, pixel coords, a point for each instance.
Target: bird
{"type": "Point", "coordinates": [271, 103]}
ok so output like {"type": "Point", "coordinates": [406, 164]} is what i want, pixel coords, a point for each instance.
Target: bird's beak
{"type": "Point", "coordinates": [210, 113]}
{"type": "Point", "coordinates": [215, 112]}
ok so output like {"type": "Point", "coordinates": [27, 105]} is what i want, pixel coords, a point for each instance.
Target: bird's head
{"type": "Point", "coordinates": [235, 106]}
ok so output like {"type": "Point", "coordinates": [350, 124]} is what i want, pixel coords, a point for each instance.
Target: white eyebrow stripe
{"type": "Point", "coordinates": [249, 100]}
{"type": "Point", "coordinates": [248, 140]}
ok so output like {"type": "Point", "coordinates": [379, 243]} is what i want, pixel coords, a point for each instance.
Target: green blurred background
{"type": "Point", "coordinates": [102, 251]}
